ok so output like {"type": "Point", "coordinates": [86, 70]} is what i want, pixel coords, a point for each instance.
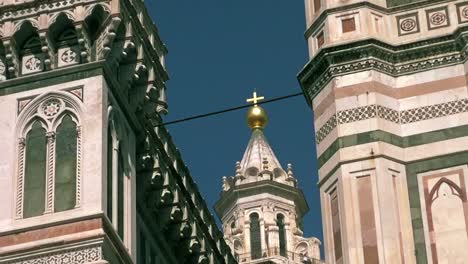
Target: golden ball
{"type": "Point", "coordinates": [257, 117]}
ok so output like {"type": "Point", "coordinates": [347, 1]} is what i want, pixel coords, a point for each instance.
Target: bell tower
{"type": "Point", "coordinates": [86, 173]}
{"type": "Point", "coordinates": [261, 207]}
{"type": "Point", "coordinates": [387, 84]}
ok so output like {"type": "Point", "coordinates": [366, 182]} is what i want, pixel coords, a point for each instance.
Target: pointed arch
{"type": "Point", "coordinates": [280, 222]}
{"type": "Point", "coordinates": [69, 103]}
{"type": "Point", "coordinates": [35, 170]}
{"type": "Point", "coordinates": [255, 237]}
{"type": "Point", "coordinates": [58, 114]}
{"type": "Point", "coordinates": [116, 170]}
{"type": "Point", "coordinates": [29, 48]}
{"type": "Point", "coordinates": [66, 145]}
{"type": "Point", "coordinates": [64, 38]}
{"type": "Point", "coordinates": [69, 14]}
{"type": "Point", "coordinates": [434, 192]}
{"type": "Point", "coordinates": [94, 21]}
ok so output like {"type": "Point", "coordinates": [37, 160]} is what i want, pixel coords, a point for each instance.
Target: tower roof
{"type": "Point", "coordinates": [258, 155]}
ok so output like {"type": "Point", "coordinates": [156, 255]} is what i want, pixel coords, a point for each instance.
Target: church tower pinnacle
{"type": "Point", "coordinates": [261, 207]}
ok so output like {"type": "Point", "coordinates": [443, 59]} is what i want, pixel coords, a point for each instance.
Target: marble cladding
{"type": "Point", "coordinates": [372, 17]}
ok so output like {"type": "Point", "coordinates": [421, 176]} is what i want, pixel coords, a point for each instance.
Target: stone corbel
{"type": "Point", "coordinates": [177, 214]}
{"type": "Point", "coordinates": [194, 246]}
{"type": "Point", "coordinates": [110, 37]}
{"type": "Point", "coordinates": [203, 259]}
{"type": "Point", "coordinates": [162, 103]}
{"type": "Point", "coordinates": [152, 92]}
{"type": "Point", "coordinates": [185, 230]}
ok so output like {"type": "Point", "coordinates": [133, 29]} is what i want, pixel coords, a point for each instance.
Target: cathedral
{"type": "Point", "coordinates": [387, 82]}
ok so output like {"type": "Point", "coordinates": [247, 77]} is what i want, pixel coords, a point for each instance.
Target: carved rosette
{"type": "Point", "coordinates": [50, 109]}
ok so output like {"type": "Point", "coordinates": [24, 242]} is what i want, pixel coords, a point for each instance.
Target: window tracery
{"type": "Point", "coordinates": [49, 157]}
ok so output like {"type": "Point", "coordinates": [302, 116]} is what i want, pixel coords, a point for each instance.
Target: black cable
{"type": "Point", "coordinates": [228, 110]}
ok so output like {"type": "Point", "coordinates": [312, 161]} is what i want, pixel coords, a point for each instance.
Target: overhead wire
{"type": "Point", "coordinates": [227, 110]}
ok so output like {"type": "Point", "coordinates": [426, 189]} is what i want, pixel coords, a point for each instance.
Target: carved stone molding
{"type": "Point", "coordinates": [76, 256]}
{"type": "Point", "coordinates": [392, 115]}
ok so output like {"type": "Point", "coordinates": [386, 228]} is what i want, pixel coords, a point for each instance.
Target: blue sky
{"type": "Point", "coordinates": [219, 51]}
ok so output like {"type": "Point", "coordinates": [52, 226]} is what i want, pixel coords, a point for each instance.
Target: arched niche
{"type": "Point", "coordinates": [65, 41]}
{"type": "Point", "coordinates": [94, 22]}
{"type": "Point", "coordinates": [29, 49]}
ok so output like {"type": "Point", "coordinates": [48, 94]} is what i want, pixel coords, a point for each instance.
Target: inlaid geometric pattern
{"type": "Point", "coordinates": [434, 111]}
{"type": "Point", "coordinates": [398, 117]}
{"type": "Point", "coordinates": [80, 256]}
{"type": "Point", "coordinates": [357, 114]}
{"type": "Point", "coordinates": [326, 129]}
{"type": "Point", "coordinates": [388, 114]}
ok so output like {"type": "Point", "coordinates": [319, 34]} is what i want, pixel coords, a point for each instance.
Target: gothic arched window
{"type": "Point", "coordinates": [49, 158]}
{"type": "Point", "coordinates": [255, 238]}
{"type": "Point", "coordinates": [282, 234]}
{"type": "Point", "coordinates": [110, 155]}
{"type": "Point", "coordinates": [65, 165]}
{"type": "Point", "coordinates": [117, 178]}
{"type": "Point", "coordinates": [35, 171]}
{"type": "Point", "coordinates": [120, 194]}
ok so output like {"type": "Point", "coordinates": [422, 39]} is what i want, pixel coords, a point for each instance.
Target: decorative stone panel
{"type": "Point", "coordinates": [68, 56]}
{"type": "Point", "coordinates": [462, 12]}
{"type": "Point", "coordinates": [32, 63]}
{"type": "Point", "coordinates": [437, 18]}
{"type": "Point", "coordinates": [408, 24]}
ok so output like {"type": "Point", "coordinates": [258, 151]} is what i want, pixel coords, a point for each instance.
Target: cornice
{"type": "Point", "coordinates": [372, 54]}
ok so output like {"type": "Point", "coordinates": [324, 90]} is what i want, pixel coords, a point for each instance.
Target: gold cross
{"type": "Point", "coordinates": [255, 99]}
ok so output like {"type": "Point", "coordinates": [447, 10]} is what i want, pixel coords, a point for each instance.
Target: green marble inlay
{"type": "Point", "coordinates": [383, 136]}
{"type": "Point", "coordinates": [35, 171]}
